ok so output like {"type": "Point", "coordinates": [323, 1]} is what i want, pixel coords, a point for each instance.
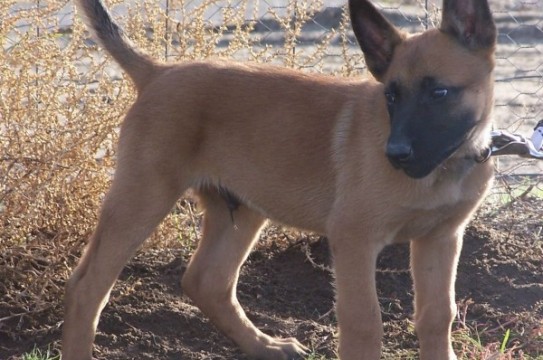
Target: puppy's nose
{"type": "Point", "coordinates": [399, 154]}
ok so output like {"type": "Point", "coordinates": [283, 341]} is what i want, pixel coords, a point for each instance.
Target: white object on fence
{"type": "Point", "coordinates": [537, 137]}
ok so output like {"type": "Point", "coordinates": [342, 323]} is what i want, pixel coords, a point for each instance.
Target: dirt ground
{"type": "Point", "coordinates": [287, 291]}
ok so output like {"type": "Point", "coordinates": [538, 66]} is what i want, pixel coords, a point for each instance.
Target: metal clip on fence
{"type": "Point", "coordinates": [506, 143]}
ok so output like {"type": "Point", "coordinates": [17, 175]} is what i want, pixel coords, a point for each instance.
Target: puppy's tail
{"type": "Point", "coordinates": [137, 65]}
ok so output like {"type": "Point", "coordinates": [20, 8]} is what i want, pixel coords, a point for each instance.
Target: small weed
{"type": "Point", "coordinates": [37, 354]}
{"type": "Point", "coordinates": [313, 356]}
{"type": "Point", "coordinates": [504, 341]}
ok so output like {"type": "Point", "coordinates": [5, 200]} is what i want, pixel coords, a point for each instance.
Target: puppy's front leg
{"type": "Point", "coordinates": [357, 306]}
{"type": "Point", "coordinates": [433, 264]}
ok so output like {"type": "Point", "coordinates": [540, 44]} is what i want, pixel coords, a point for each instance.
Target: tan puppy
{"type": "Point", "coordinates": [366, 162]}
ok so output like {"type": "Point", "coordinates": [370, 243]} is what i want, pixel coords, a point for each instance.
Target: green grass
{"type": "Point", "coordinates": [315, 357]}
{"type": "Point", "coordinates": [37, 354]}
{"type": "Point", "coordinates": [469, 346]}
{"type": "Point", "coordinates": [505, 340]}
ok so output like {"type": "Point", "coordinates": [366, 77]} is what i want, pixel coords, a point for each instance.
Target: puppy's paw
{"type": "Point", "coordinates": [280, 349]}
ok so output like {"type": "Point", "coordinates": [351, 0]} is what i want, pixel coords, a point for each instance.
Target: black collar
{"type": "Point", "coordinates": [483, 157]}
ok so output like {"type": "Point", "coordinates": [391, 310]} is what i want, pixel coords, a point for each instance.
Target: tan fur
{"type": "Point", "coordinates": [304, 150]}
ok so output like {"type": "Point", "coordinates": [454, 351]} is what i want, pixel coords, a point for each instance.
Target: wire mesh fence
{"type": "Point", "coordinates": [61, 98]}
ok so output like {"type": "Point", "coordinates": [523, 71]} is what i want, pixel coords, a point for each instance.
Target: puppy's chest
{"type": "Point", "coordinates": [419, 223]}
{"type": "Point", "coordinates": [417, 220]}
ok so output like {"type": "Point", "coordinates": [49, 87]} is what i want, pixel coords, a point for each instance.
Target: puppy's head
{"type": "Point", "coordinates": [438, 85]}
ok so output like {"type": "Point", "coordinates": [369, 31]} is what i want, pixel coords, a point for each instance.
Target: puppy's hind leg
{"type": "Point", "coordinates": [212, 275]}
{"type": "Point", "coordinates": [138, 200]}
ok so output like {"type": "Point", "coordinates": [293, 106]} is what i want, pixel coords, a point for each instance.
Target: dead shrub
{"type": "Point", "coordinates": [61, 102]}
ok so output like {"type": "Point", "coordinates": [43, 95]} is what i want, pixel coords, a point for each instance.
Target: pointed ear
{"type": "Point", "coordinates": [376, 36]}
{"type": "Point", "coordinates": [470, 22]}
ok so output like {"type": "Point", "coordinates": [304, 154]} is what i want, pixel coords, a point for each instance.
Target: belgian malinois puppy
{"type": "Point", "coordinates": [365, 162]}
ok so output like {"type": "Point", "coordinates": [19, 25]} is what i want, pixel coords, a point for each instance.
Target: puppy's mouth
{"type": "Point", "coordinates": [419, 163]}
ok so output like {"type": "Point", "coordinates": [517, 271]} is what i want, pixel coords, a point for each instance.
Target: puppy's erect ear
{"type": "Point", "coordinates": [470, 22]}
{"type": "Point", "coordinates": [376, 36]}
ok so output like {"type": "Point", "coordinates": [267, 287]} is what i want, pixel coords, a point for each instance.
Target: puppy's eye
{"type": "Point", "coordinates": [391, 97]}
{"type": "Point", "coordinates": [439, 93]}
